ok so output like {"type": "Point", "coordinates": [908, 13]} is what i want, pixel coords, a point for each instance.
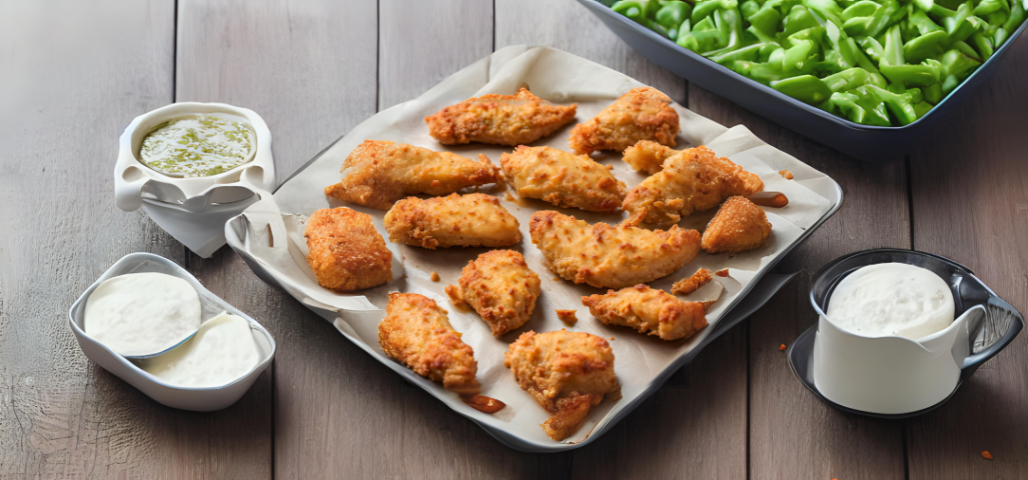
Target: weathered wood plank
{"type": "Point", "coordinates": [697, 422]}
{"type": "Point", "coordinates": [73, 75]}
{"type": "Point", "coordinates": [309, 69]}
{"type": "Point", "coordinates": [792, 434]}
{"type": "Point", "coordinates": [970, 198]}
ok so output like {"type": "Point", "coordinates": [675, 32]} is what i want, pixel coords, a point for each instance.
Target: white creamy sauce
{"type": "Point", "coordinates": [892, 299]}
{"type": "Point", "coordinates": [142, 313]}
{"type": "Point", "coordinates": [222, 351]}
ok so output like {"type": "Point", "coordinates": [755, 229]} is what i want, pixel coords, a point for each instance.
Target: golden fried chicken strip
{"type": "Point", "coordinates": [642, 114]}
{"type": "Point", "coordinates": [648, 310]}
{"type": "Point", "coordinates": [378, 173]}
{"type": "Point", "coordinates": [566, 372]}
{"type": "Point", "coordinates": [500, 287]}
{"type": "Point", "coordinates": [739, 225]}
{"type": "Point", "coordinates": [648, 156]}
{"type": "Point", "coordinates": [472, 220]}
{"type": "Point", "coordinates": [563, 179]}
{"type": "Point", "coordinates": [691, 181]}
{"type": "Point", "coordinates": [499, 119]}
{"type": "Point", "coordinates": [606, 256]}
{"type": "Point", "coordinates": [417, 332]}
{"type": "Point", "coordinates": [345, 251]}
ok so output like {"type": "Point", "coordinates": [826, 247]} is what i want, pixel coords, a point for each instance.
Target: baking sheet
{"type": "Point", "coordinates": [274, 236]}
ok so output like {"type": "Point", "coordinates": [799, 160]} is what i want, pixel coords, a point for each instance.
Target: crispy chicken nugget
{"type": "Point", "coordinates": [563, 179]}
{"type": "Point", "coordinates": [691, 181]}
{"type": "Point", "coordinates": [738, 226]}
{"type": "Point", "coordinates": [417, 332]}
{"type": "Point", "coordinates": [472, 220]}
{"type": "Point", "coordinates": [568, 373]}
{"type": "Point", "coordinates": [378, 173]}
{"type": "Point", "coordinates": [642, 114]}
{"type": "Point", "coordinates": [606, 256]}
{"type": "Point", "coordinates": [500, 287]}
{"type": "Point", "coordinates": [345, 251]}
{"type": "Point", "coordinates": [648, 310]}
{"type": "Point", "coordinates": [648, 156]}
{"type": "Point", "coordinates": [499, 119]}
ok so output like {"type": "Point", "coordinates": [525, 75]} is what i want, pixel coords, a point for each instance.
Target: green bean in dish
{"type": "Point", "coordinates": [873, 62]}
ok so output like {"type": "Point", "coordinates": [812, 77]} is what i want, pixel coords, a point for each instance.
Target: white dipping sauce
{"type": "Point", "coordinates": [892, 299]}
{"type": "Point", "coordinates": [142, 313]}
{"type": "Point", "coordinates": [221, 352]}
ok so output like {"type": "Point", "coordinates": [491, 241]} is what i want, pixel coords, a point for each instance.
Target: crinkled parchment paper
{"type": "Point", "coordinates": [274, 234]}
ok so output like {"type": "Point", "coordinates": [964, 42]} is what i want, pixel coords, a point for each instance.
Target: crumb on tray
{"type": "Point", "coordinates": [567, 316]}
{"type": "Point", "coordinates": [787, 174]}
{"type": "Point", "coordinates": [688, 285]}
{"type": "Point", "coordinates": [434, 277]}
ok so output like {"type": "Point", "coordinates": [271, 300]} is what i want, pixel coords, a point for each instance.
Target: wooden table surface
{"type": "Point", "coordinates": [73, 74]}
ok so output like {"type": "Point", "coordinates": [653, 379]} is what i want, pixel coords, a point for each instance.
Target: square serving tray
{"type": "Point", "coordinates": [269, 237]}
{"type": "Point", "coordinates": [864, 142]}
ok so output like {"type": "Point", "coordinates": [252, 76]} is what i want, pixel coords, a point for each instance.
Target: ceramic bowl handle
{"type": "Point", "coordinates": [994, 308]}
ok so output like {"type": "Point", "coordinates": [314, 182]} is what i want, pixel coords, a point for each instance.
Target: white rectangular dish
{"type": "Point", "coordinates": [200, 399]}
{"type": "Point", "coordinates": [269, 236]}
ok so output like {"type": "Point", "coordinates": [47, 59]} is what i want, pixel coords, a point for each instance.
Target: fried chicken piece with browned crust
{"type": "Point", "coordinates": [648, 156]}
{"type": "Point", "coordinates": [500, 287]}
{"type": "Point", "coordinates": [642, 114]}
{"type": "Point", "coordinates": [739, 225]}
{"type": "Point", "coordinates": [648, 310]}
{"type": "Point", "coordinates": [563, 179]}
{"type": "Point", "coordinates": [472, 220]}
{"type": "Point", "coordinates": [612, 257]}
{"type": "Point", "coordinates": [568, 373]}
{"type": "Point", "coordinates": [417, 332]}
{"type": "Point", "coordinates": [378, 173]}
{"type": "Point", "coordinates": [345, 251]}
{"type": "Point", "coordinates": [694, 180]}
{"type": "Point", "coordinates": [499, 119]}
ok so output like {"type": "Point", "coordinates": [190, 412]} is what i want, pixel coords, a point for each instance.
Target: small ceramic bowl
{"type": "Point", "coordinates": [204, 399]}
{"type": "Point", "coordinates": [900, 387]}
{"type": "Point", "coordinates": [193, 210]}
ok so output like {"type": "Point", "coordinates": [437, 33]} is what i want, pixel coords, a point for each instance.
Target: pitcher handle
{"type": "Point", "coordinates": [995, 306]}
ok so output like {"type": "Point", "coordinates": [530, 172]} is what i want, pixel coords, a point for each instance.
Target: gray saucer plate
{"type": "Point", "coordinates": [1001, 324]}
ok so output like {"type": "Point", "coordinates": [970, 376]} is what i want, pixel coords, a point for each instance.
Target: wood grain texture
{"type": "Point", "coordinates": [793, 434]}
{"type": "Point", "coordinates": [697, 422]}
{"type": "Point", "coordinates": [970, 198]}
{"type": "Point", "coordinates": [73, 75]}
{"type": "Point", "coordinates": [308, 68]}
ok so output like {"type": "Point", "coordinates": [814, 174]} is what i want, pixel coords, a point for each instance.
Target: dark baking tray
{"type": "Point", "coordinates": [864, 142]}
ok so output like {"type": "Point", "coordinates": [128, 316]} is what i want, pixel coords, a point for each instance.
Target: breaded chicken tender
{"type": "Point", "coordinates": [606, 256]}
{"type": "Point", "coordinates": [500, 287]}
{"type": "Point", "coordinates": [563, 179]}
{"type": "Point", "coordinates": [648, 156]}
{"type": "Point", "coordinates": [417, 332]}
{"type": "Point", "coordinates": [345, 251]}
{"type": "Point", "coordinates": [738, 226]}
{"type": "Point", "coordinates": [642, 114]}
{"type": "Point", "coordinates": [691, 181]}
{"type": "Point", "coordinates": [499, 119]}
{"type": "Point", "coordinates": [648, 310]}
{"type": "Point", "coordinates": [568, 373]}
{"type": "Point", "coordinates": [472, 220]}
{"type": "Point", "coordinates": [690, 284]}
{"type": "Point", "coordinates": [378, 173]}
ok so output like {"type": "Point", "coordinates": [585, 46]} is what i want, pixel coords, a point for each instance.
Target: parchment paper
{"type": "Point", "coordinates": [275, 232]}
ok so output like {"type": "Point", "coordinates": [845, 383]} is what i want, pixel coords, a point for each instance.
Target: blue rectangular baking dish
{"type": "Point", "coordinates": [864, 142]}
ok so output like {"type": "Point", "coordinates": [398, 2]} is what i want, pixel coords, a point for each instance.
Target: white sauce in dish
{"type": "Point", "coordinates": [142, 313]}
{"type": "Point", "coordinates": [221, 352]}
{"type": "Point", "coordinates": [892, 299]}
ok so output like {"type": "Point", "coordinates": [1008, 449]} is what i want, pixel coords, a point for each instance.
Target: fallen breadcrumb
{"type": "Point", "coordinates": [986, 455]}
{"type": "Point", "coordinates": [722, 273]}
{"type": "Point", "coordinates": [435, 277]}
{"type": "Point", "coordinates": [787, 174]}
{"type": "Point", "coordinates": [688, 285]}
{"type": "Point", "coordinates": [567, 316]}
{"type": "Point", "coordinates": [782, 347]}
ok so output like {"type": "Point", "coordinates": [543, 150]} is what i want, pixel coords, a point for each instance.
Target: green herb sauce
{"type": "Point", "coordinates": [198, 146]}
